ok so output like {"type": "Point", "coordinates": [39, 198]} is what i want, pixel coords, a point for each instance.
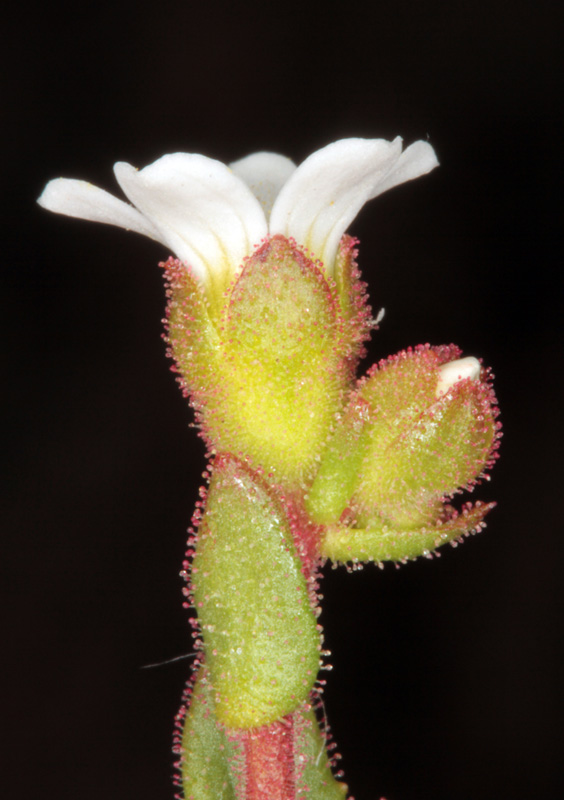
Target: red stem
{"type": "Point", "coordinates": [269, 757]}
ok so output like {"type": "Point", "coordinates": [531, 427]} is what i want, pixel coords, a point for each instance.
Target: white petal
{"type": "Point", "coordinates": [206, 215]}
{"type": "Point", "coordinates": [417, 160]}
{"type": "Point", "coordinates": [454, 371]}
{"type": "Point", "coordinates": [85, 201]}
{"type": "Point", "coordinates": [265, 174]}
{"type": "Point", "coordinates": [327, 191]}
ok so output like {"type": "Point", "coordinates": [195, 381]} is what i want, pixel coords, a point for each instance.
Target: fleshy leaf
{"type": "Point", "coordinates": [382, 543]}
{"type": "Point", "coordinates": [205, 749]}
{"type": "Point", "coordinates": [260, 633]}
{"type": "Point", "coordinates": [315, 778]}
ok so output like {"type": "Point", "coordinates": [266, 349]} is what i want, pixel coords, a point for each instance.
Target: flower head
{"type": "Point", "coordinates": [211, 216]}
{"type": "Point", "coordinates": [267, 315]}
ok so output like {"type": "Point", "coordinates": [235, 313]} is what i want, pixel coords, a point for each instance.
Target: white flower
{"type": "Point", "coordinates": [211, 215]}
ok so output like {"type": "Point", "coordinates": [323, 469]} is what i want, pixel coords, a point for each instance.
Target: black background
{"type": "Point", "coordinates": [445, 673]}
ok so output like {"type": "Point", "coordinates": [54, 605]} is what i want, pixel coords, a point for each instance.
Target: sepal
{"type": "Point", "coordinates": [353, 300]}
{"type": "Point", "coordinates": [210, 766]}
{"type": "Point", "coordinates": [191, 334]}
{"type": "Point", "coordinates": [284, 356]}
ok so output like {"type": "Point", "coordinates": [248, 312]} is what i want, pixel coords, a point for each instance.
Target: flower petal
{"type": "Point", "coordinates": [86, 201]}
{"type": "Point", "coordinates": [454, 371]}
{"type": "Point", "coordinates": [417, 160]}
{"type": "Point", "coordinates": [206, 215]}
{"type": "Point", "coordinates": [327, 191]}
{"type": "Point", "coordinates": [265, 174]}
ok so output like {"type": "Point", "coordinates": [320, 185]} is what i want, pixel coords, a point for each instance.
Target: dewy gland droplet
{"type": "Point", "coordinates": [267, 318]}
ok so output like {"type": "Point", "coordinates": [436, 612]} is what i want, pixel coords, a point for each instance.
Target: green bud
{"type": "Point", "coordinates": [420, 427]}
{"type": "Point", "coordinates": [431, 435]}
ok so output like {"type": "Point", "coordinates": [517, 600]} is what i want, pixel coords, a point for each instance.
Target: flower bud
{"type": "Point", "coordinates": [420, 427]}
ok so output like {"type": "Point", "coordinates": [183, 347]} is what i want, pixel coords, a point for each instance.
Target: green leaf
{"type": "Point", "coordinates": [260, 633]}
{"type": "Point", "coordinates": [206, 750]}
{"type": "Point", "coordinates": [381, 542]}
{"type": "Point", "coordinates": [315, 779]}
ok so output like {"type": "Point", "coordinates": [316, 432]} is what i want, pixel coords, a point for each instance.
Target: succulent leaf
{"type": "Point", "coordinates": [205, 749]}
{"type": "Point", "coordinates": [261, 640]}
{"type": "Point", "coordinates": [381, 543]}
